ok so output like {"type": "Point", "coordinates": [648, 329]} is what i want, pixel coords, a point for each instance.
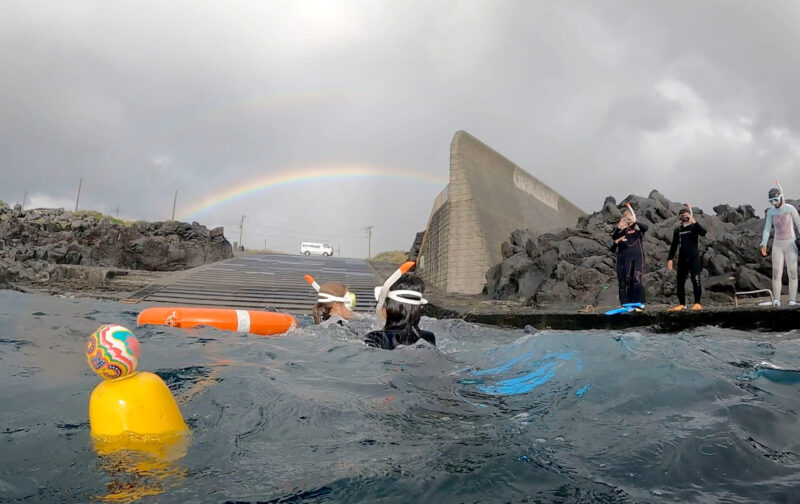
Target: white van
{"type": "Point", "coordinates": [315, 248]}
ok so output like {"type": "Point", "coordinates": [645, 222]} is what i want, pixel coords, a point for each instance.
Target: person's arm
{"type": "Point", "coordinates": [428, 336]}
{"type": "Point", "coordinates": [698, 229]}
{"type": "Point", "coordinates": [795, 217]}
{"type": "Point", "coordinates": [642, 227]}
{"type": "Point", "coordinates": [767, 226]}
{"type": "Point", "coordinates": [674, 247]}
{"type": "Point", "coordinates": [614, 236]}
{"type": "Point", "coordinates": [377, 339]}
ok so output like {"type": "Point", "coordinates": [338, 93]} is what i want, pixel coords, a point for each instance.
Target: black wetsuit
{"type": "Point", "coordinates": [684, 241]}
{"type": "Point", "coordinates": [389, 339]}
{"type": "Point", "coordinates": [630, 262]}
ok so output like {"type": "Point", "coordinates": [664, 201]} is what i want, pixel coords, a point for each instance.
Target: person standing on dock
{"type": "Point", "coordinates": [784, 249]}
{"type": "Point", "coordinates": [684, 241]}
{"type": "Point", "coordinates": [628, 237]}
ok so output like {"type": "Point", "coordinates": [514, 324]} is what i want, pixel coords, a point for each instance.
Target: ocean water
{"type": "Point", "coordinates": [491, 415]}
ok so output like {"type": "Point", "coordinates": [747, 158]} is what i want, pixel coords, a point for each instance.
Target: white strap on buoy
{"type": "Point", "coordinates": [243, 322]}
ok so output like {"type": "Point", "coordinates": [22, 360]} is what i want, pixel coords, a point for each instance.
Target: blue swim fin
{"type": "Point", "coordinates": [617, 311]}
{"type": "Point", "coordinates": [634, 305]}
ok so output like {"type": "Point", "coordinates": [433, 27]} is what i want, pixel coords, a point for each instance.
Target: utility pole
{"type": "Point", "coordinates": [368, 229]}
{"type": "Point", "coordinates": [241, 233]}
{"type": "Point", "coordinates": [174, 201]}
{"type": "Point", "coordinates": [265, 244]}
{"type": "Point", "coordinates": [339, 250]}
{"type": "Point", "coordinates": [79, 194]}
{"type": "Point", "coordinates": [24, 198]}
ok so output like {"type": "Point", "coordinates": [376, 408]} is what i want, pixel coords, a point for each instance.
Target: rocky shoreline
{"type": "Point", "coordinates": [573, 268]}
{"type": "Point", "coordinates": [54, 250]}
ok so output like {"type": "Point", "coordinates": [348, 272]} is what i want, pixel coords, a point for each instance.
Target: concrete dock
{"type": "Point", "coordinates": [272, 281]}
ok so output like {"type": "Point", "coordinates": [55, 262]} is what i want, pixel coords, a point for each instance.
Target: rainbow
{"type": "Point", "coordinates": [295, 176]}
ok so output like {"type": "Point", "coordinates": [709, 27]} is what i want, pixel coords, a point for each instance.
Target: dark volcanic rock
{"type": "Point", "coordinates": [414, 252]}
{"type": "Point", "coordinates": [574, 267]}
{"type": "Point", "coordinates": [32, 242]}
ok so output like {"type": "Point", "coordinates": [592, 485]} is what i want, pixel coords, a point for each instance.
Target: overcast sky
{"type": "Point", "coordinates": [140, 98]}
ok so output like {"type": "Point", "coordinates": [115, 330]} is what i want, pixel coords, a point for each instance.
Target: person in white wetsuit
{"type": "Point", "coordinates": [784, 218]}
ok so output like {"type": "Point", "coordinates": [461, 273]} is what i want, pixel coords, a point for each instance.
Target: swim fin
{"type": "Point", "coordinates": [634, 305]}
{"type": "Point", "coordinates": [622, 309]}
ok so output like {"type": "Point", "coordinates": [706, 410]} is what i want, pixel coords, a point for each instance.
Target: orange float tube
{"type": "Point", "coordinates": [255, 322]}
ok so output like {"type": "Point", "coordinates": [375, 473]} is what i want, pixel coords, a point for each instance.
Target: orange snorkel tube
{"type": "Point", "coordinates": [311, 281]}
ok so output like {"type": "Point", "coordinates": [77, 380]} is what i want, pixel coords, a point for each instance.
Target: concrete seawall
{"type": "Point", "coordinates": [487, 198]}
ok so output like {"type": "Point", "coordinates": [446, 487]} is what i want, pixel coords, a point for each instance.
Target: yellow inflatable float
{"type": "Point", "coordinates": [136, 425]}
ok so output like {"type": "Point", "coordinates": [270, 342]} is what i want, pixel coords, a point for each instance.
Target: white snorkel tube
{"type": "Point", "coordinates": [780, 188]}
{"type": "Point", "coordinates": [381, 293]}
{"type": "Point", "coordinates": [691, 213]}
{"type": "Point", "coordinates": [348, 300]}
{"type": "Point", "coordinates": [633, 214]}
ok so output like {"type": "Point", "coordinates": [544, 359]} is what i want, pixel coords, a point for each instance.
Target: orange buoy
{"type": "Point", "coordinates": [255, 322]}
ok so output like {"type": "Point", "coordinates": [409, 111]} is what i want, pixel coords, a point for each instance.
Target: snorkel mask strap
{"type": "Point", "coordinates": [349, 299]}
{"type": "Point", "coordinates": [381, 295]}
{"type": "Point", "coordinates": [410, 297]}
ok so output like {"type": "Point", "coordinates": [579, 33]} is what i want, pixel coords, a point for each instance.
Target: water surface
{"type": "Point", "coordinates": [492, 415]}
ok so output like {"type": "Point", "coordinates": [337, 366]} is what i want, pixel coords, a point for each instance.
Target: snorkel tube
{"type": "Point", "coordinates": [780, 188]}
{"type": "Point", "coordinates": [348, 300]}
{"type": "Point", "coordinates": [311, 281]}
{"type": "Point", "coordinates": [689, 206]}
{"type": "Point", "coordinates": [630, 208]}
{"type": "Point", "coordinates": [384, 289]}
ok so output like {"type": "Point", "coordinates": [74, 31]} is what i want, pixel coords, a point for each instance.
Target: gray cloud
{"type": "Point", "coordinates": [142, 98]}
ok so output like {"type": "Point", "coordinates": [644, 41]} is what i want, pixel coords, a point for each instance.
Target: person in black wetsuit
{"type": "Point", "coordinates": [628, 237]}
{"type": "Point", "coordinates": [684, 241]}
{"type": "Point", "coordinates": [403, 311]}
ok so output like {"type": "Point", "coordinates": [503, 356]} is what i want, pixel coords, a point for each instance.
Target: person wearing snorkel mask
{"type": "Point", "coordinates": [335, 304]}
{"type": "Point", "coordinates": [684, 241]}
{"type": "Point", "coordinates": [400, 305]}
{"type": "Point", "coordinates": [628, 237]}
{"type": "Point", "coordinates": [785, 218]}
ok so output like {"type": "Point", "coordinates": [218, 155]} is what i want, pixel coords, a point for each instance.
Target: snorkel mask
{"type": "Point", "coordinates": [686, 217]}
{"type": "Point", "coordinates": [409, 297]}
{"type": "Point", "coordinates": [348, 300]}
{"type": "Point", "coordinates": [775, 195]}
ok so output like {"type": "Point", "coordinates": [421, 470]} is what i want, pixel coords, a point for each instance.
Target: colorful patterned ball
{"type": "Point", "coordinates": [112, 352]}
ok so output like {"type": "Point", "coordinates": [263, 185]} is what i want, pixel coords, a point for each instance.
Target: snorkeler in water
{"type": "Point", "coordinates": [400, 305]}
{"type": "Point", "coordinates": [785, 218]}
{"type": "Point", "coordinates": [335, 302]}
{"type": "Point", "coordinates": [684, 241]}
{"type": "Point", "coordinates": [628, 237]}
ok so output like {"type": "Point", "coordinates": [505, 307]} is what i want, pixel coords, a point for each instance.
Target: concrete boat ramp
{"type": "Point", "coordinates": [262, 281]}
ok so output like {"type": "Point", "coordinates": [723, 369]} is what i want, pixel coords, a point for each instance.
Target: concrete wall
{"type": "Point", "coordinates": [488, 197]}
